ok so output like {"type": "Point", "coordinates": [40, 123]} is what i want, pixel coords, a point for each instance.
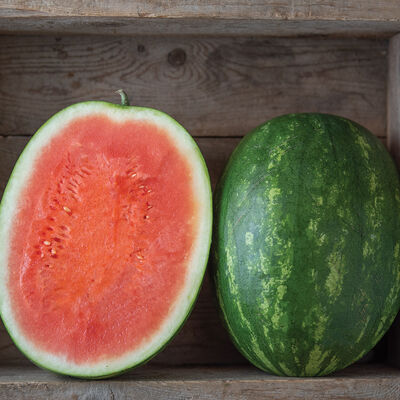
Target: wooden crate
{"type": "Point", "coordinates": [220, 70]}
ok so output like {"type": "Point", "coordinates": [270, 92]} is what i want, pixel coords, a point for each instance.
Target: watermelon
{"type": "Point", "coordinates": [105, 229]}
{"type": "Point", "coordinates": [306, 246]}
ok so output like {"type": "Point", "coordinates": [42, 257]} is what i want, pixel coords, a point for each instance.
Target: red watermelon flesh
{"type": "Point", "coordinates": [103, 240]}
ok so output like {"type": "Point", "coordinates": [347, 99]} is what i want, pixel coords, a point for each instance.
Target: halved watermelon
{"type": "Point", "coordinates": [105, 229]}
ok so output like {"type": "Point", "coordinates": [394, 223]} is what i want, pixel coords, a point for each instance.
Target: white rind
{"type": "Point", "coordinates": [196, 265]}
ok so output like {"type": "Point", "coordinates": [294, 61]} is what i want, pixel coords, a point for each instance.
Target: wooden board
{"type": "Point", "coordinates": [393, 143]}
{"type": "Point", "coordinates": [378, 10]}
{"type": "Point", "coordinates": [196, 26]}
{"type": "Point", "coordinates": [357, 382]}
{"type": "Point", "coordinates": [278, 17]}
{"type": "Point", "coordinates": [213, 86]}
{"type": "Point", "coordinates": [393, 98]}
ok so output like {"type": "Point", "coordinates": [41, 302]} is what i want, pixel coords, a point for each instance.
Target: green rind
{"type": "Point", "coordinates": [26, 150]}
{"type": "Point", "coordinates": [306, 244]}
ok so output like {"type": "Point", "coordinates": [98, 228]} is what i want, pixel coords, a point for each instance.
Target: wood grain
{"type": "Point", "coordinates": [393, 143]}
{"type": "Point", "coordinates": [378, 10]}
{"type": "Point", "coordinates": [393, 99]}
{"type": "Point", "coordinates": [244, 17]}
{"type": "Point", "coordinates": [196, 26]}
{"type": "Point", "coordinates": [357, 382]}
{"type": "Point", "coordinates": [213, 86]}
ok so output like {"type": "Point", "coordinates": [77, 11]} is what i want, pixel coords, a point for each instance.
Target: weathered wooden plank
{"type": "Point", "coordinates": [196, 26]}
{"type": "Point", "coordinates": [203, 339]}
{"type": "Point", "coordinates": [213, 86]}
{"type": "Point", "coordinates": [279, 17]}
{"type": "Point", "coordinates": [393, 98]}
{"type": "Point", "coordinates": [357, 382]}
{"type": "Point", "coordinates": [393, 143]}
{"type": "Point", "coordinates": [378, 10]}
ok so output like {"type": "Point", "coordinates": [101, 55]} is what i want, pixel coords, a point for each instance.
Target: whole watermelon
{"type": "Point", "coordinates": [307, 244]}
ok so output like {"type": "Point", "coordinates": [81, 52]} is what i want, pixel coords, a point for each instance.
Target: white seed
{"type": "Point", "coordinates": [66, 209]}
{"type": "Point", "coordinates": [52, 251]}
{"type": "Point", "coordinates": [146, 217]}
{"type": "Point", "coordinates": [133, 175]}
{"type": "Point", "coordinates": [139, 256]}
{"type": "Point", "coordinates": [141, 186]}
{"type": "Point", "coordinates": [46, 243]}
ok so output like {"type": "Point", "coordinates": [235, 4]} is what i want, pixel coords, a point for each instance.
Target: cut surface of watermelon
{"type": "Point", "coordinates": [104, 234]}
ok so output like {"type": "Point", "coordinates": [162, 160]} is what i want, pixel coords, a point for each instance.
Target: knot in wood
{"type": "Point", "coordinates": [177, 57]}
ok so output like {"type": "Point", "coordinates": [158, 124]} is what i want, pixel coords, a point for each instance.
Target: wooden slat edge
{"type": "Point", "coordinates": [379, 10]}
{"type": "Point", "coordinates": [393, 98]}
{"type": "Point", "coordinates": [369, 382]}
{"type": "Point", "coordinates": [393, 144]}
{"type": "Point", "coordinates": [194, 26]}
